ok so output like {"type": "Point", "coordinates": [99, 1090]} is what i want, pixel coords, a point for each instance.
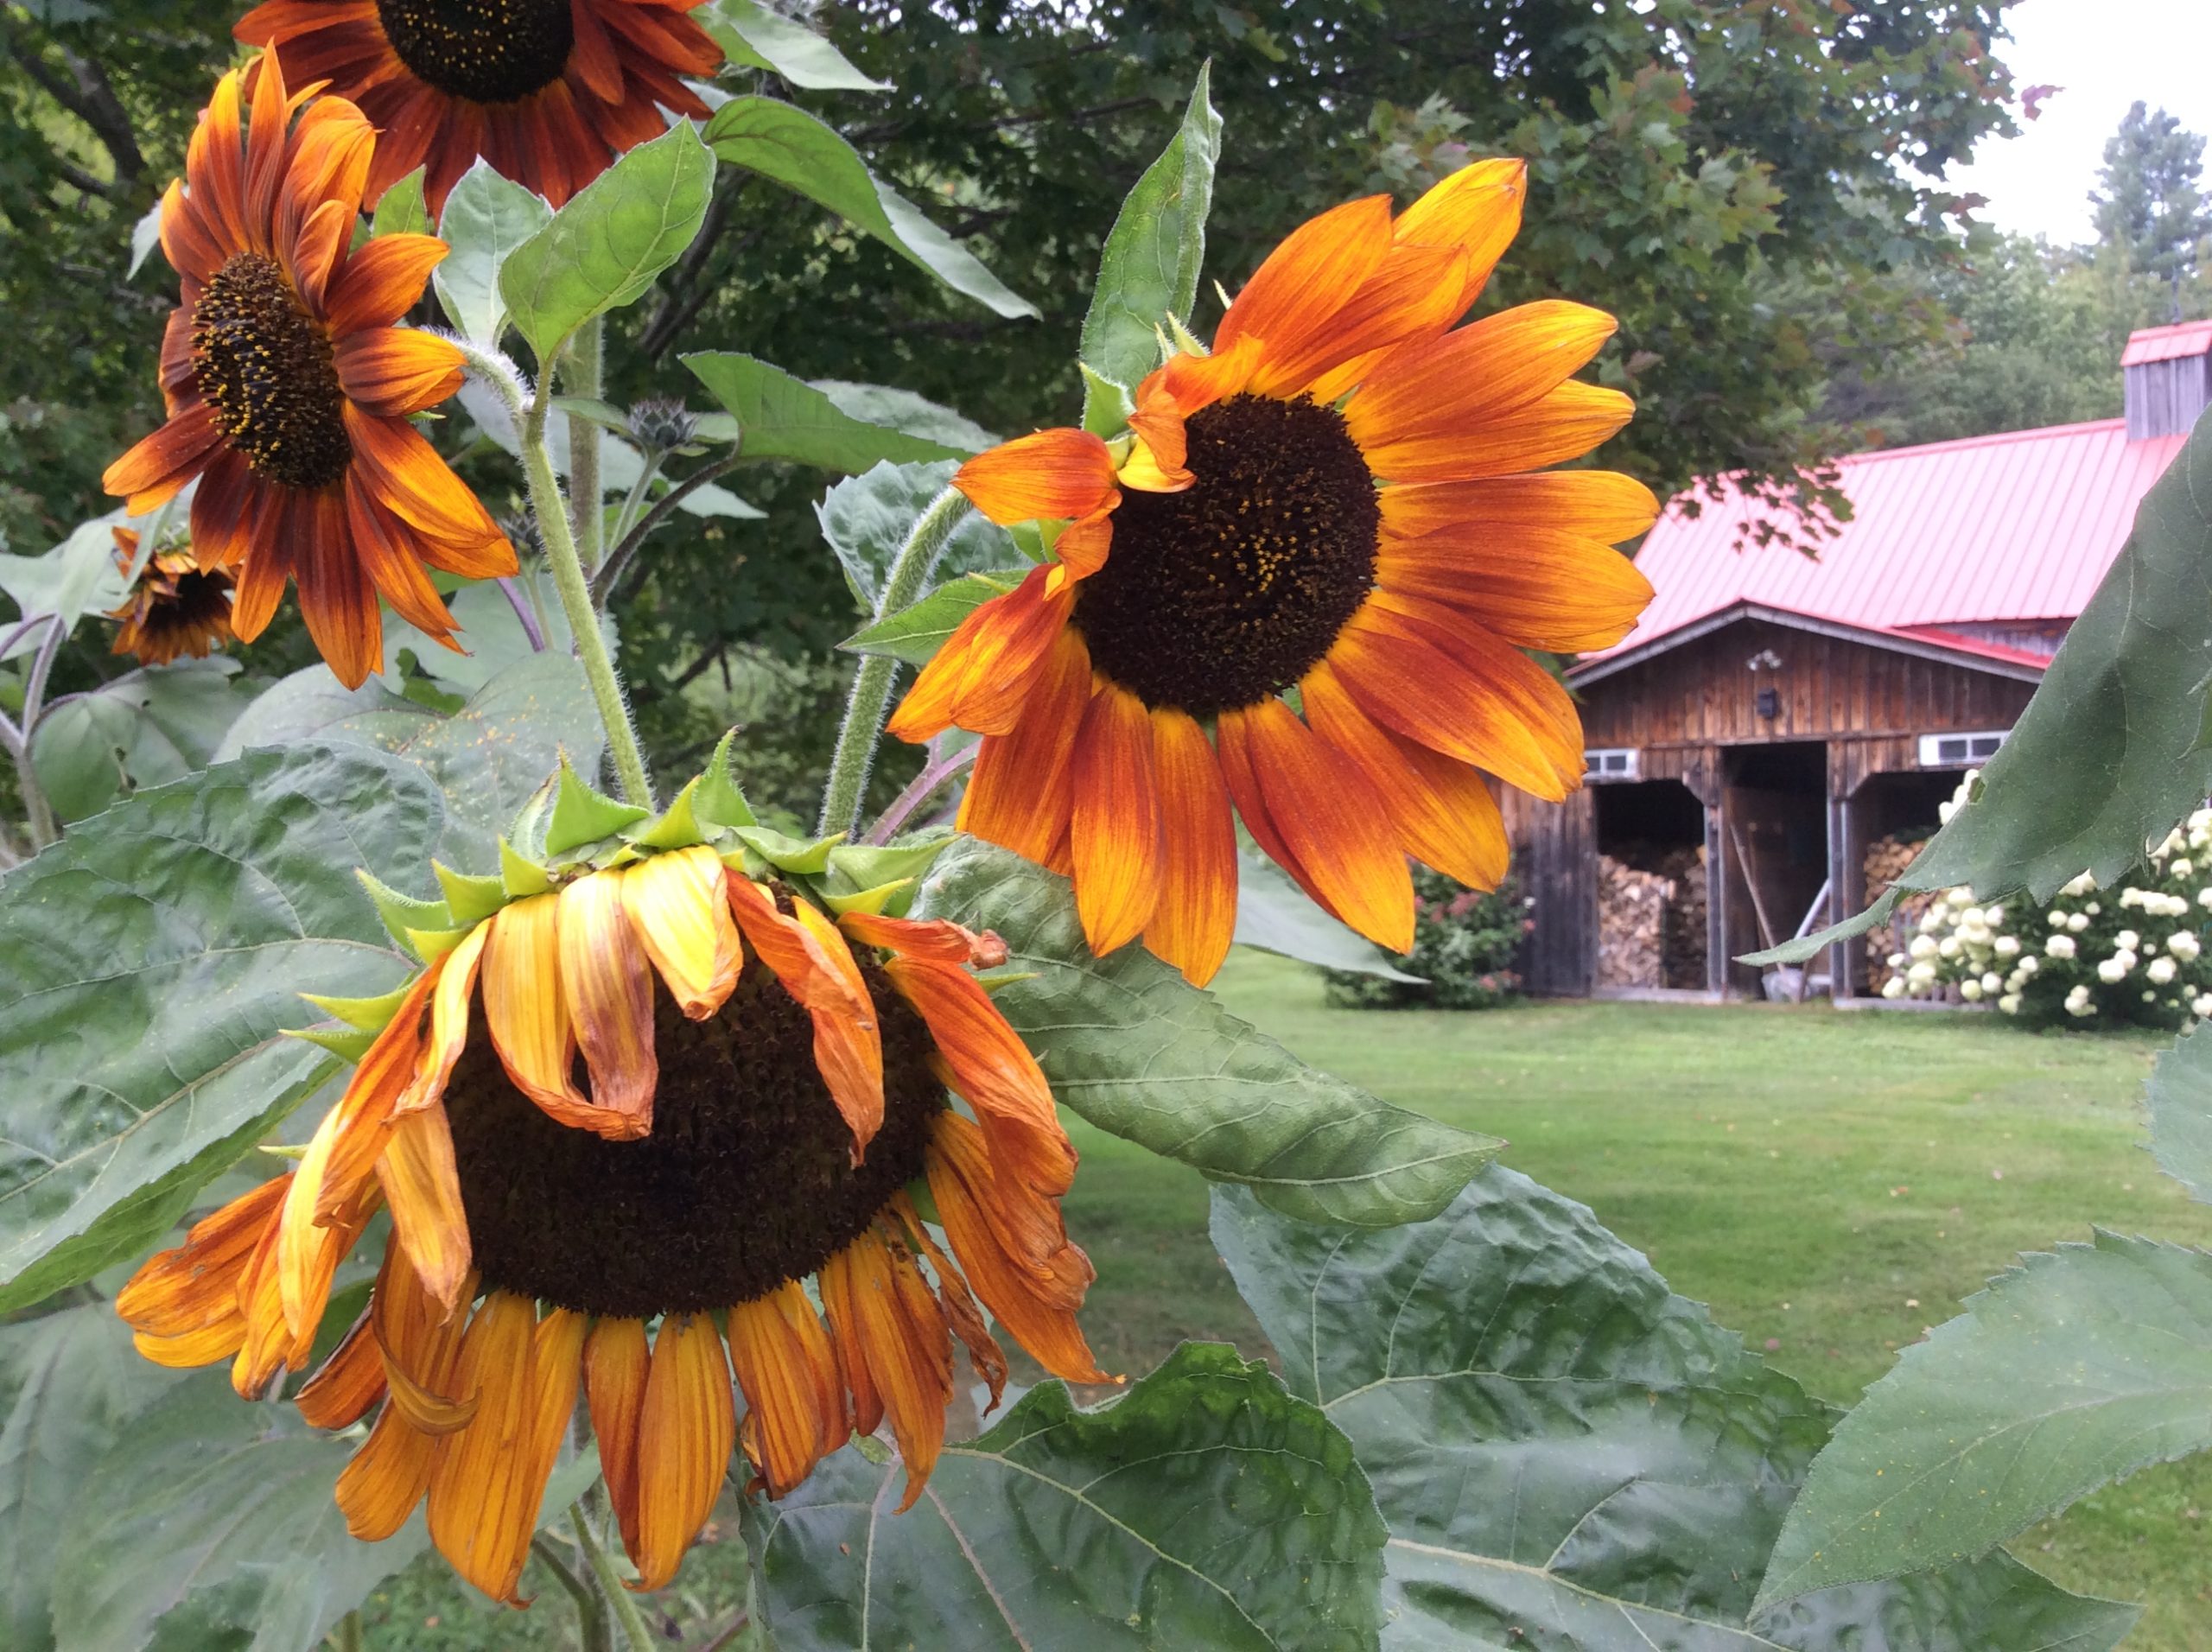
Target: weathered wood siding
{"type": "Point", "coordinates": [1703, 693]}
{"type": "Point", "coordinates": [1555, 857]}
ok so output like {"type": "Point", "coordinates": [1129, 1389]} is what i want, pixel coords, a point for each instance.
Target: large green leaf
{"type": "Point", "coordinates": [67, 1382]}
{"type": "Point", "coordinates": [148, 963]}
{"type": "Point", "coordinates": [2078, 1367]}
{"type": "Point", "coordinates": [401, 209]}
{"type": "Point", "coordinates": [757, 38]}
{"type": "Point", "coordinates": [2112, 751]}
{"type": "Point", "coordinates": [611, 241]}
{"type": "Point", "coordinates": [487, 758]}
{"type": "Point", "coordinates": [144, 728]}
{"type": "Point", "coordinates": [867, 518]}
{"type": "Point", "coordinates": [210, 1522]}
{"type": "Point", "coordinates": [1149, 269]}
{"type": "Point", "coordinates": [902, 410]}
{"type": "Point", "coordinates": [914, 634]}
{"type": "Point", "coordinates": [1136, 1050]}
{"type": "Point", "coordinates": [75, 577]}
{"type": "Point", "coordinates": [784, 142]}
{"type": "Point", "coordinates": [1569, 1455]}
{"type": "Point", "coordinates": [782, 417]}
{"type": "Point", "coordinates": [2180, 1094]}
{"type": "Point", "coordinates": [1204, 1507]}
{"type": "Point", "coordinates": [486, 218]}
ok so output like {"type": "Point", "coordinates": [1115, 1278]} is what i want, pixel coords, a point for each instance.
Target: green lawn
{"type": "Point", "coordinates": [1832, 1183]}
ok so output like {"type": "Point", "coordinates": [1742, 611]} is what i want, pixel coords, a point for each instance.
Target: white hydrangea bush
{"type": "Point", "coordinates": [2133, 954]}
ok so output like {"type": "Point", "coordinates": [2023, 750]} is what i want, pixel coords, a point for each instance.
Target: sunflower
{"type": "Point", "coordinates": [176, 607]}
{"type": "Point", "coordinates": [759, 1083]}
{"type": "Point", "coordinates": [288, 387]}
{"type": "Point", "coordinates": [1333, 502]}
{"type": "Point", "coordinates": [550, 92]}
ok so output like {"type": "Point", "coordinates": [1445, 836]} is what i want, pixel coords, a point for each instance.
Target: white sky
{"type": "Point", "coordinates": [2106, 53]}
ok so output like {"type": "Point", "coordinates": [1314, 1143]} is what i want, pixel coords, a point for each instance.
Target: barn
{"type": "Point", "coordinates": [1775, 713]}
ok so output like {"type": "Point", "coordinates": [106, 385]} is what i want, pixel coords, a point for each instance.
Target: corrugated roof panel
{"type": "Point", "coordinates": [2013, 527]}
{"type": "Point", "coordinates": [2167, 343]}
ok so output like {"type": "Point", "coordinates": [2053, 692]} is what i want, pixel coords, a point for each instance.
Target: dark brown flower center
{"type": "Point", "coordinates": [1229, 592]}
{"type": "Point", "coordinates": [265, 369]}
{"type": "Point", "coordinates": [485, 51]}
{"type": "Point", "coordinates": [745, 1181]}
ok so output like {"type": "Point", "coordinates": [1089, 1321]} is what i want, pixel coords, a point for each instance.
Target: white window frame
{"type": "Point", "coordinates": [1605, 763]}
{"type": "Point", "coordinates": [1931, 748]}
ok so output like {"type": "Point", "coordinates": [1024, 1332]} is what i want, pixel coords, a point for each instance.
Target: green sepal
{"type": "Point", "coordinates": [791, 855]}
{"type": "Point", "coordinates": [877, 1453]}
{"type": "Point", "coordinates": [676, 826]}
{"type": "Point", "coordinates": [857, 867]}
{"type": "Point", "coordinates": [1181, 337]}
{"type": "Point", "coordinates": [347, 1044]}
{"type": "Point", "coordinates": [924, 1201]}
{"type": "Point", "coordinates": [527, 830]}
{"type": "Point", "coordinates": [519, 875]}
{"type": "Point", "coordinates": [991, 980]}
{"type": "Point", "coordinates": [744, 860]}
{"type": "Point", "coordinates": [1029, 539]}
{"type": "Point", "coordinates": [370, 1015]}
{"type": "Point", "coordinates": [1107, 405]}
{"type": "Point", "coordinates": [432, 943]}
{"type": "Point", "coordinates": [718, 802]}
{"type": "Point", "coordinates": [294, 1150]}
{"type": "Point", "coordinates": [404, 914]}
{"type": "Point", "coordinates": [874, 902]}
{"type": "Point", "coordinates": [469, 898]}
{"type": "Point", "coordinates": [581, 815]}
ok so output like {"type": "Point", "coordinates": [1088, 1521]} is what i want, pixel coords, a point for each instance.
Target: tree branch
{"type": "Point", "coordinates": [91, 99]}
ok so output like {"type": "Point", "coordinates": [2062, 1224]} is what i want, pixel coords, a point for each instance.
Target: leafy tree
{"type": "Point", "coordinates": [2152, 217]}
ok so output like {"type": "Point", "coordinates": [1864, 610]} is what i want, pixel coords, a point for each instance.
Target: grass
{"type": "Point", "coordinates": [1832, 1183]}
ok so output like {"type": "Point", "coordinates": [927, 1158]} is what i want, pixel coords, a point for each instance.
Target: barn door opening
{"type": "Point", "coordinates": [1774, 847]}
{"type": "Point", "coordinates": [1892, 816]}
{"type": "Point", "coordinates": [1652, 885]}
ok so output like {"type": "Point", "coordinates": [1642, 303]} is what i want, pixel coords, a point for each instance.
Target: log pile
{"type": "Point", "coordinates": [1632, 924]}
{"type": "Point", "coordinates": [1884, 863]}
{"type": "Point", "coordinates": [1682, 942]}
{"type": "Point", "coordinates": [1651, 905]}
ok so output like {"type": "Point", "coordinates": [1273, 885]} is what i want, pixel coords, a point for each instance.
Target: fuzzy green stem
{"type": "Point", "coordinates": [619, 1599]}
{"type": "Point", "coordinates": [348, 1632]}
{"type": "Point", "coordinates": [583, 374]}
{"type": "Point", "coordinates": [641, 495]}
{"type": "Point", "coordinates": [862, 731]}
{"type": "Point", "coordinates": [39, 818]}
{"type": "Point", "coordinates": [561, 555]}
{"type": "Point", "coordinates": [591, 1610]}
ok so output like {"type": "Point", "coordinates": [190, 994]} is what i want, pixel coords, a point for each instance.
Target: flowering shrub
{"type": "Point", "coordinates": [1465, 942]}
{"type": "Point", "coordinates": [2131, 955]}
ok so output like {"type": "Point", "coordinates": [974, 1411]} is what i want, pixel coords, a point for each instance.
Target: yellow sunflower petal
{"type": "Point", "coordinates": [607, 985]}
{"type": "Point", "coordinates": [675, 906]}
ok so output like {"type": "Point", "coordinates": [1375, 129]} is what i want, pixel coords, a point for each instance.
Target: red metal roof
{"type": "Point", "coordinates": [1987, 531]}
{"type": "Point", "coordinates": [2167, 343]}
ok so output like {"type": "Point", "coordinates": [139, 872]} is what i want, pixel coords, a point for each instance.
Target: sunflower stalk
{"type": "Point", "coordinates": [618, 560]}
{"type": "Point", "coordinates": [582, 372]}
{"type": "Point", "coordinates": [560, 554]}
{"type": "Point", "coordinates": [591, 1609]}
{"type": "Point", "coordinates": [619, 1600]}
{"type": "Point", "coordinates": [862, 729]}
{"type": "Point", "coordinates": [919, 790]}
{"type": "Point", "coordinates": [39, 822]}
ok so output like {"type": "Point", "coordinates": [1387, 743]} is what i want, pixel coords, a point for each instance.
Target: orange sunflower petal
{"type": "Point", "coordinates": [482, 1509]}
{"type": "Point", "coordinates": [527, 1012]}
{"type": "Point", "coordinates": [421, 1186]}
{"type": "Point", "coordinates": [980, 679]}
{"type": "Point", "coordinates": [677, 909]}
{"type": "Point", "coordinates": [1478, 375]}
{"type": "Point", "coordinates": [789, 1374]}
{"type": "Point", "coordinates": [1600, 505]}
{"type": "Point", "coordinates": [1171, 393]}
{"type": "Point", "coordinates": [394, 370]}
{"type": "Point", "coordinates": [1444, 814]}
{"type": "Point", "coordinates": [1566, 423]}
{"type": "Point", "coordinates": [1021, 791]}
{"type": "Point", "coordinates": [196, 1283]}
{"type": "Point", "coordinates": [1302, 284]}
{"type": "Point", "coordinates": [1413, 295]}
{"type": "Point", "coordinates": [157, 467]}
{"type": "Point", "coordinates": [1115, 826]}
{"type": "Point", "coordinates": [616, 1360]}
{"type": "Point", "coordinates": [348, 1384]}
{"type": "Point", "coordinates": [1052, 474]}
{"type": "Point", "coordinates": [608, 985]}
{"type": "Point", "coordinates": [1536, 588]}
{"type": "Point", "coordinates": [1195, 917]}
{"type": "Point", "coordinates": [449, 1032]}
{"type": "Point", "coordinates": [380, 282]}
{"type": "Point", "coordinates": [1332, 820]}
{"type": "Point", "coordinates": [687, 1428]}
{"type": "Point", "coordinates": [812, 960]}
{"type": "Point", "coordinates": [906, 1349]}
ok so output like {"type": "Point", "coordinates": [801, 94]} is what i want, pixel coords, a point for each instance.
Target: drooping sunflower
{"type": "Point", "coordinates": [176, 607]}
{"type": "Point", "coordinates": [550, 92]}
{"type": "Point", "coordinates": [288, 386]}
{"type": "Point", "coordinates": [1334, 502]}
{"type": "Point", "coordinates": [682, 1091]}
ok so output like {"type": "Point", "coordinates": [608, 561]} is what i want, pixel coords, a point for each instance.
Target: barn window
{"type": "Point", "coordinates": [1609, 763]}
{"type": "Point", "coordinates": [1957, 751]}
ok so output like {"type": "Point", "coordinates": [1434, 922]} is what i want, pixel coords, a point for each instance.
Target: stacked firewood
{"type": "Point", "coordinates": [1884, 863]}
{"type": "Point", "coordinates": [1632, 924]}
{"type": "Point", "coordinates": [1682, 939]}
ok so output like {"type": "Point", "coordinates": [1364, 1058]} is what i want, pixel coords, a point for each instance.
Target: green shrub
{"type": "Point", "coordinates": [1465, 944]}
